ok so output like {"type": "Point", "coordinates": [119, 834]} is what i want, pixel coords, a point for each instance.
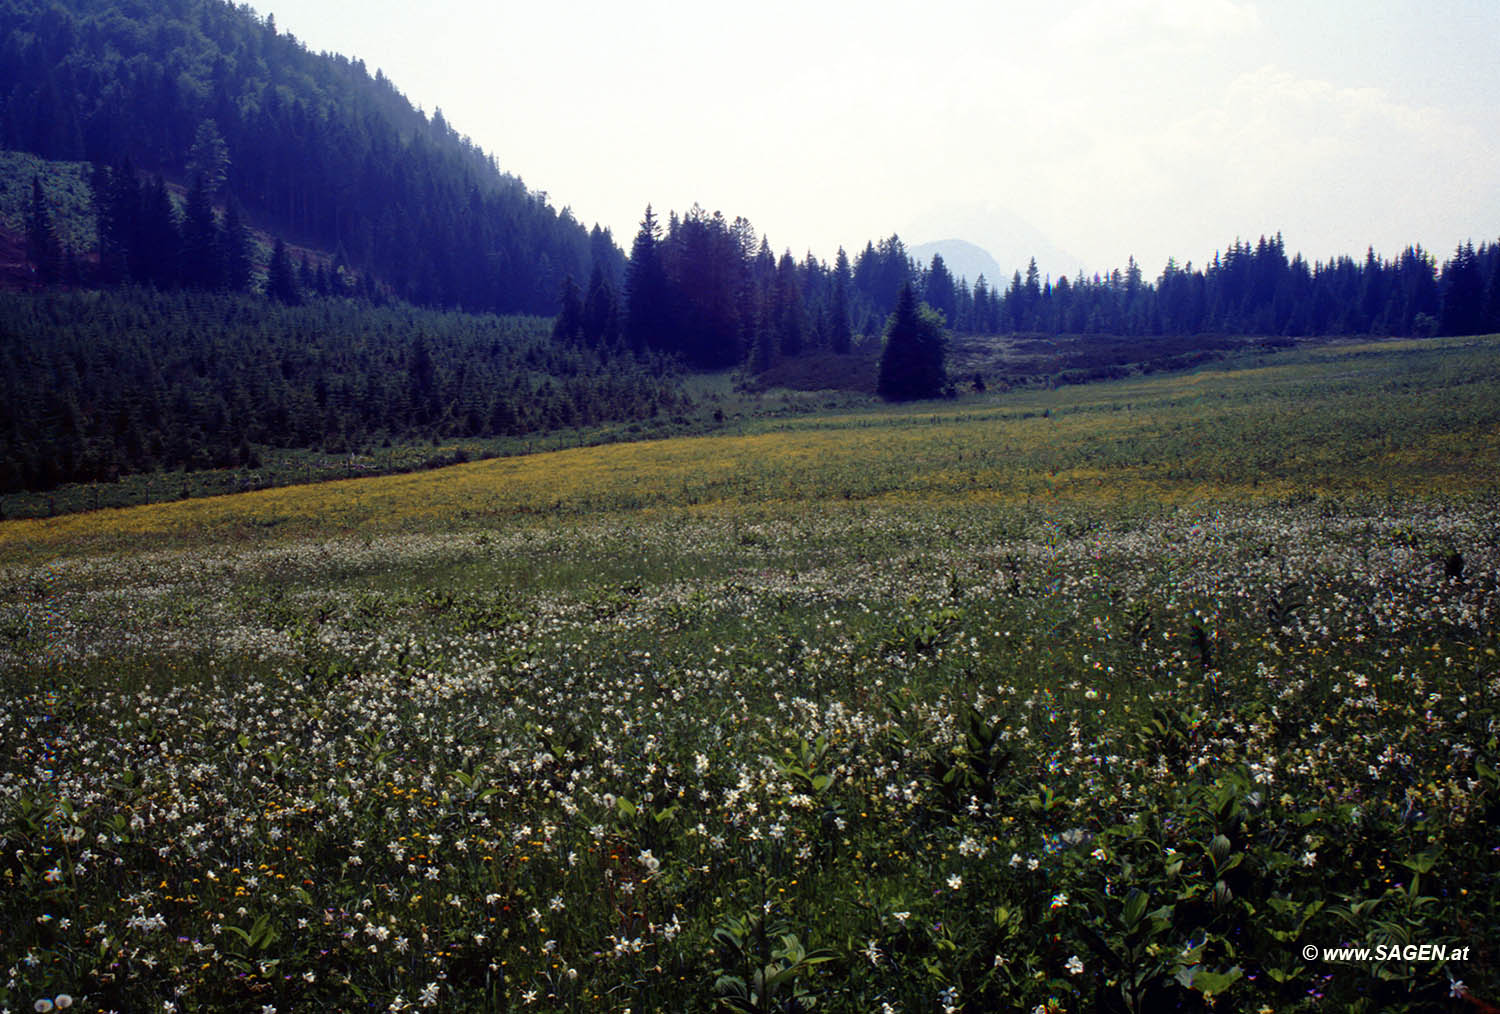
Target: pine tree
{"type": "Point", "coordinates": [1492, 293]}
{"type": "Point", "coordinates": [202, 254]}
{"type": "Point", "coordinates": [941, 294]}
{"type": "Point", "coordinates": [235, 251]}
{"type": "Point", "coordinates": [116, 209]}
{"type": "Point", "coordinates": [1463, 294]}
{"type": "Point", "coordinates": [42, 248]}
{"type": "Point", "coordinates": [568, 327]}
{"type": "Point", "coordinates": [156, 246]}
{"type": "Point", "coordinates": [600, 323]}
{"type": "Point", "coordinates": [763, 350]}
{"type": "Point", "coordinates": [281, 279]}
{"type": "Point", "coordinates": [646, 311]}
{"type": "Point", "coordinates": [1031, 302]}
{"type": "Point", "coordinates": [790, 312]}
{"type": "Point", "coordinates": [911, 366]}
{"type": "Point", "coordinates": [983, 316]}
{"type": "Point", "coordinates": [840, 336]}
{"type": "Point", "coordinates": [208, 159]}
{"type": "Point", "coordinates": [890, 269]}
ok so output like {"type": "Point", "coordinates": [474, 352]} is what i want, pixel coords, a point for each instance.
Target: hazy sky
{"type": "Point", "coordinates": [1112, 127]}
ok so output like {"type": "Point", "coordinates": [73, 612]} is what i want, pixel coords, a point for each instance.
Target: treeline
{"type": "Point", "coordinates": [311, 146]}
{"type": "Point", "coordinates": [711, 293]}
{"type": "Point", "coordinates": [145, 239]}
{"type": "Point", "coordinates": [94, 385]}
{"type": "Point", "coordinates": [1247, 289]}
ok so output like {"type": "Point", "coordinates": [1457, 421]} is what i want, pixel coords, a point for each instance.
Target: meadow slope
{"type": "Point", "coordinates": [1104, 698]}
{"type": "Point", "coordinates": [1387, 418]}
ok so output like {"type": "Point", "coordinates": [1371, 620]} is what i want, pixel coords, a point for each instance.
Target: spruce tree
{"type": "Point", "coordinates": [156, 249]}
{"type": "Point", "coordinates": [840, 336]}
{"type": "Point", "coordinates": [568, 327]}
{"type": "Point", "coordinates": [208, 159]}
{"type": "Point", "coordinates": [42, 248]}
{"type": "Point", "coordinates": [791, 313]}
{"type": "Point", "coordinates": [942, 295]}
{"type": "Point", "coordinates": [1492, 293]}
{"type": "Point", "coordinates": [235, 251]}
{"type": "Point", "coordinates": [281, 279]}
{"type": "Point", "coordinates": [982, 307]}
{"type": "Point", "coordinates": [763, 350]}
{"type": "Point", "coordinates": [911, 366]}
{"type": "Point", "coordinates": [646, 311]}
{"type": "Point", "coordinates": [600, 326]}
{"type": "Point", "coordinates": [201, 247]}
{"type": "Point", "coordinates": [1463, 294]}
{"type": "Point", "coordinates": [117, 202]}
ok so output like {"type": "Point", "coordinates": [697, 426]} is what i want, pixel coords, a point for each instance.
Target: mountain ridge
{"type": "Point", "coordinates": [964, 260]}
{"type": "Point", "coordinates": [318, 151]}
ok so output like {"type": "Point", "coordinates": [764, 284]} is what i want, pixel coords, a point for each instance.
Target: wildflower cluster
{"type": "Point", "coordinates": [954, 759]}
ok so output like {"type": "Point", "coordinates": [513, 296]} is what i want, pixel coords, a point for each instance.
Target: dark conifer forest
{"type": "Point", "coordinates": [703, 290]}
{"type": "Point", "coordinates": [96, 385]}
{"type": "Point", "coordinates": [312, 146]}
{"type": "Point", "coordinates": [281, 251]}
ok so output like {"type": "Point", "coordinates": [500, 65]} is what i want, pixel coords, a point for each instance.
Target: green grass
{"type": "Point", "coordinates": [1105, 698]}
{"type": "Point", "coordinates": [1411, 417]}
{"type": "Point", "coordinates": [1389, 419]}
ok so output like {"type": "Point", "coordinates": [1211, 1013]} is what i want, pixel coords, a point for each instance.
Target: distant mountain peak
{"type": "Point", "coordinates": [963, 260]}
{"type": "Point", "coordinates": [1008, 239]}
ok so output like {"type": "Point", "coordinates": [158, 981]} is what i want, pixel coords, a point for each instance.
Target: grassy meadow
{"type": "Point", "coordinates": [1110, 697]}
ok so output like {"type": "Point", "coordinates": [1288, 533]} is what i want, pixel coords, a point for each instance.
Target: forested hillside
{"type": "Point", "coordinates": [185, 159]}
{"type": "Point", "coordinates": [214, 100]}
{"type": "Point", "coordinates": [95, 385]}
{"type": "Point", "coordinates": [312, 147]}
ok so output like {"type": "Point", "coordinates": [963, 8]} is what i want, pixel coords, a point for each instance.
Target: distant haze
{"type": "Point", "coordinates": [962, 259]}
{"type": "Point", "coordinates": [1111, 128]}
{"type": "Point", "coordinates": [1004, 236]}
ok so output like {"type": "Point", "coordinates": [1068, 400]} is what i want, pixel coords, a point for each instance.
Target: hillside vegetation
{"type": "Point", "coordinates": [1104, 698]}
{"type": "Point", "coordinates": [1143, 656]}
{"type": "Point", "coordinates": [315, 148]}
{"type": "Point", "coordinates": [96, 385]}
{"type": "Point", "coordinates": [215, 229]}
{"type": "Point", "coordinates": [1384, 418]}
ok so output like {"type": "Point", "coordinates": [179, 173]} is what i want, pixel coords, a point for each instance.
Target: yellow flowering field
{"type": "Point", "coordinates": [1402, 418]}
{"type": "Point", "coordinates": [1177, 693]}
